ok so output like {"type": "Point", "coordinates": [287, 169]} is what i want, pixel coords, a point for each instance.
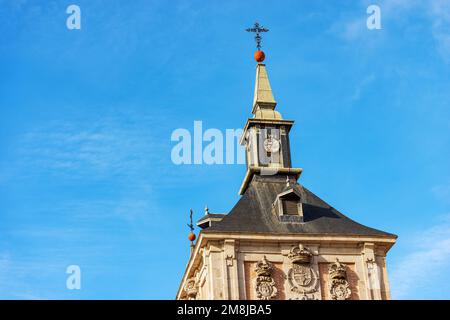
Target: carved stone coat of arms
{"type": "Point", "coordinates": [265, 284]}
{"type": "Point", "coordinates": [302, 277]}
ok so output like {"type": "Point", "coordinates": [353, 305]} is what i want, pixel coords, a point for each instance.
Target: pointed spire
{"type": "Point", "coordinates": [263, 98]}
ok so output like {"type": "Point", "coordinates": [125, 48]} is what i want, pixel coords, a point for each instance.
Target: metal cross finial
{"type": "Point", "coordinates": [191, 225]}
{"type": "Point", "coordinates": [257, 28]}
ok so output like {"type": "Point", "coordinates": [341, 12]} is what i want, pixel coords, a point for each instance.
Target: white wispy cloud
{"type": "Point", "coordinates": [353, 28]}
{"type": "Point", "coordinates": [437, 12]}
{"type": "Point", "coordinates": [429, 256]}
{"type": "Point", "coordinates": [12, 278]}
{"type": "Point", "coordinates": [440, 12]}
{"type": "Point", "coordinates": [112, 145]}
{"type": "Point", "coordinates": [349, 28]}
{"type": "Point", "coordinates": [126, 150]}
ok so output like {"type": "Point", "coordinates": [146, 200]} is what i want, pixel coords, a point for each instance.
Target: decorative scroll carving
{"type": "Point", "coordinates": [339, 287]}
{"type": "Point", "coordinates": [191, 289]}
{"type": "Point", "coordinates": [302, 278]}
{"type": "Point", "coordinates": [265, 284]}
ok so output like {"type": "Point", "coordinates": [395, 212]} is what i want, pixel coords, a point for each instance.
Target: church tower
{"type": "Point", "coordinates": [280, 241]}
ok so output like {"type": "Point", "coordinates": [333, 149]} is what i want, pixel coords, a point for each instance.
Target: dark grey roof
{"type": "Point", "coordinates": [253, 213]}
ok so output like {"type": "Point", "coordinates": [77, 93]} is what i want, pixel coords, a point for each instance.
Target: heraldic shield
{"type": "Point", "coordinates": [301, 277]}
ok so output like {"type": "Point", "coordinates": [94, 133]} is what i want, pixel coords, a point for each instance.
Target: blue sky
{"type": "Point", "coordinates": [86, 118]}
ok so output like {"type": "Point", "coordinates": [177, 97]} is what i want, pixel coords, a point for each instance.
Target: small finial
{"type": "Point", "coordinates": [288, 182]}
{"type": "Point", "coordinates": [206, 210]}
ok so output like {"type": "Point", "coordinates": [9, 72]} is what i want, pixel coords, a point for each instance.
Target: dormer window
{"type": "Point", "coordinates": [289, 207]}
{"type": "Point", "coordinates": [209, 219]}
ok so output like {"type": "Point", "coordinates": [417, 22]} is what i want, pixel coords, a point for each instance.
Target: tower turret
{"type": "Point", "coordinates": [266, 135]}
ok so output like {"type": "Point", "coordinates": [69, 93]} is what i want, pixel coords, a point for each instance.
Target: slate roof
{"type": "Point", "coordinates": [253, 213]}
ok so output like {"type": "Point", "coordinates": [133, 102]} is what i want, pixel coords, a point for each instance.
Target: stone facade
{"type": "Point", "coordinates": [226, 269]}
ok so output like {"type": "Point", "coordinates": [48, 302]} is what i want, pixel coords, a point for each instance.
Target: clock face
{"type": "Point", "coordinates": [271, 144]}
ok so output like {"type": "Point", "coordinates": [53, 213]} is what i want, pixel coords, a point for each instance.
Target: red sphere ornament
{"type": "Point", "coordinates": [191, 236]}
{"type": "Point", "coordinates": [260, 56]}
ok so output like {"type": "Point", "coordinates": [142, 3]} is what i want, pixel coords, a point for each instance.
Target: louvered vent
{"type": "Point", "coordinates": [290, 207]}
